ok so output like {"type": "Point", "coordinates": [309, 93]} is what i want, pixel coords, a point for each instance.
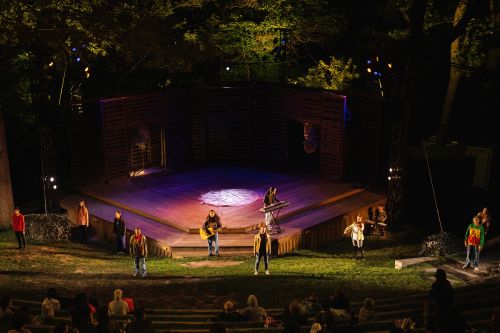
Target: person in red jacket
{"type": "Point", "coordinates": [19, 228]}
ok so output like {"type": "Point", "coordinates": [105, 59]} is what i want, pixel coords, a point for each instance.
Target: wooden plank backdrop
{"type": "Point", "coordinates": [244, 123]}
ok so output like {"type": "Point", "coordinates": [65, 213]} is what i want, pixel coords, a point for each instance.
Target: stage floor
{"type": "Point", "coordinates": [174, 199]}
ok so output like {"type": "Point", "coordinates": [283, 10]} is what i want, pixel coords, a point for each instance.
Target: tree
{"type": "Point", "coordinates": [334, 75]}
{"type": "Point", "coordinates": [6, 201]}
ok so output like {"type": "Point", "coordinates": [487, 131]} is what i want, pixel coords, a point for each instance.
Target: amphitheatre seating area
{"type": "Point", "coordinates": [475, 302]}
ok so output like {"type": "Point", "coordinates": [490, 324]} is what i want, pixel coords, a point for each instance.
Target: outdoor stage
{"type": "Point", "coordinates": [169, 209]}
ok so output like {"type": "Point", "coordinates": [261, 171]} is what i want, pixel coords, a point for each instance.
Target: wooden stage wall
{"type": "Point", "coordinates": [243, 123]}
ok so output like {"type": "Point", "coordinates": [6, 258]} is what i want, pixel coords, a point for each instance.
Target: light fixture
{"type": "Point", "coordinates": [87, 69]}
{"type": "Point", "coordinates": [52, 179]}
{"type": "Point", "coordinates": [54, 187]}
{"type": "Point", "coordinates": [369, 70]}
{"type": "Point", "coordinates": [227, 68]}
{"type": "Point", "coordinates": [389, 65]}
{"type": "Point", "coordinates": [78, 59]}
{"type": "Point", "coordinates": [51, 64]}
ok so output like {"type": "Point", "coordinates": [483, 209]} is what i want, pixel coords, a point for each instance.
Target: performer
{"type": "Point", "coordinates": [380, 214]}
{"type": "Point", "coordinates": [119, 231]}
{"type": "Point", "coordinates": [212, 225]}
{"type": "Point", "coordinates": [82, 220]}
{"type": "Point", "coordinates": [269, 199]}
{"type": "Point", "coordinates": [262, 249]}
{"type": "Point", "coordinates": [357, 236]}
{"type": "Point", "coordinates": [474, 241]}
{"type": "Point", "coordinates": [139, 249]}
{"type": "Point", "coordinates": [19, 228]}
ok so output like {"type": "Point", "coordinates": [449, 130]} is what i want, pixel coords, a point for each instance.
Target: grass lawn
{"type": "Point", "coordinates": [92, 268]}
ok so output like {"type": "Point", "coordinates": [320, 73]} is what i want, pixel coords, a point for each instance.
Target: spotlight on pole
{"type": "Point", "coordinates": [54, 187]}
{"type": "Point", "coordinates": [78, 59]}
{"type": "Point", "coordinates": [51, 64]}
{"type": "Point", "coordinates": [227, 68]}
{"type": "Point", "coordinates": [73, 49]}
{"type": "Point", "coordinates": [369, 70]}
{"type": "Point", "coordinates": [52, 179]}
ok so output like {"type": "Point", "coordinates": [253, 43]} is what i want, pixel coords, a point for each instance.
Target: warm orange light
{"type": "Point", "coordinates": [376, 58]}
{"type": "Point", "coordinates": [369, 70]}
{"type": "Point", "coordinates": [86, 69]}
{"type": "Point", "coordinates": [51, 64]}
{"type": "Point", "coordinates": [88, 75]}
{"type": "Point", "coordinates": [389, 65]}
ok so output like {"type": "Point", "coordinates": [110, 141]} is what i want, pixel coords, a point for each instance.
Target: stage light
{"type": "Point", "coordinates": [390, 170]}
{"type": "Point", "coordinates": [375, 73]}
{"type": "Point", "coordinates": [389, 178]}
{"type": "Point", "coordinates": [87, 75]}
{"type": "Point", "coordinates": [376, 58]}
{"type": "Point", "coordinates": [78, 59]}
{"type": "Point", "coordinates": [369, 70]}
{"type": "Point", "coordinates": [389, 65]}
{"type": "Point", "coordinates": [51, 64]}
{"type": "Point", "coordinates": [54, 187]}
{"type": "Point", "coordinates": [86, 69]}
{"type": "Point", "coordinates": [73, 49]}
{"type": "Point", "coordinates": [368, 62]}
{"type": "Point", "coordinates": [52, 179]}
{"type": "Point", "coordinates": [227, 68]}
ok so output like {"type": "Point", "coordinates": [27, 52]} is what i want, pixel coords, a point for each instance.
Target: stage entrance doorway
{"type": "Point", "coordinates": [303, 147]}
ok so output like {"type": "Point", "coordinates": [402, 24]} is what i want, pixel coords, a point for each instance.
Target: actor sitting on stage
{"type": "Point", "coordinates": [269, 199]}
{"type": "Point", "coordinates": [212, 225]}
{"type": "Point", "coordinates": [358, 237]}
{"type": "Point", "coordinates": [262, 249]}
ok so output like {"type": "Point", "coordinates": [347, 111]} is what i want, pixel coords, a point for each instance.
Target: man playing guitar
{"type": "Point", "coordinates": [211, 229]}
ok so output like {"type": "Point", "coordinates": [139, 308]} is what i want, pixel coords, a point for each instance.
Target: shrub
{"type": "Point", "coordinates": [44, 228]}
{"type": "Point", "coordinates": [441, 244]}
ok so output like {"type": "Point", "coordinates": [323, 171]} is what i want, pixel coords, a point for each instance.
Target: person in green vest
{"type": "Point", "coordinates": [474, 241]}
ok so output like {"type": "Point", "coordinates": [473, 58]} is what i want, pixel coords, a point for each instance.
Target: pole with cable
{"type": "Point", "coordinates": [432, 186]}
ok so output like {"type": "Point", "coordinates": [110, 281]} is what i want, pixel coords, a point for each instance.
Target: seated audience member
{"type": "Point", "coordinates": [311, 306]}
{"type": "Point", "coordinates": [339, 301]}
{"type": "Point", "coordinates": [253, 312]}
{"type": "Point", "coordinates": [495, 321]}
{"type": "Point", "coordinates": [118, 307]}
{"type": "Point", "coordinates": [65, 328]}
{"type": "Point", "coordinates": [217, 328]}
{"type": "Point", "coordinates": [140, 324]}
{"type": "Point", "coordinates": [325, 317]}
{"type": "Point", "coordinates": [18, 323]}
{"type": "Point", "coordinates": [104, 323]}
{"type": "Point", "coordinates": [441, 294]}
{"type": "Point", "coordinates": [229, 313]}
{"type": "Point", "coordinates": [6, 313]}
{"type": "Point", "coordinates": [367, 311]}
{"type": "Point", "coordinates": [315, 328]}
{"type": "Point", "coordinates": [50, 306]}
{"type": "Point", "coordinates": [81, 315]}
{"type": "Point", "coordinates": [293, 319]}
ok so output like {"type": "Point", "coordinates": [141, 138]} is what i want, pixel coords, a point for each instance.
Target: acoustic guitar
{"type": "Point", "coordinates": [205, 235]}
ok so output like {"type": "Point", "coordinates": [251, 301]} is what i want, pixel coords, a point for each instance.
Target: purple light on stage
{"type": "Point", "coordinates": [230, 197]}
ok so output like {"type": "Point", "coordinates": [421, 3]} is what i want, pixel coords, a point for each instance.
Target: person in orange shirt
{"type": "Point", "coordinates": [82, 220]}
{"type": "Point", "coordinates": [19, 228]}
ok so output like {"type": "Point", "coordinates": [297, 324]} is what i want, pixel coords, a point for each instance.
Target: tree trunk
{"type": "Point", "coordinates": [455, 74]}
{"type": "Point", "coordinates": [6, 198]}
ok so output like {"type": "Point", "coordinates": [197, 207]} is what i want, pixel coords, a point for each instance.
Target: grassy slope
{"type": "Point", "coordinates": [74, 267]}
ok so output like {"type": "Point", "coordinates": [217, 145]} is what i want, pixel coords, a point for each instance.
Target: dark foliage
{"type": "Point", "coordinates": [44, 228]}
{"type": "Point", "coordinates": [441, 244]}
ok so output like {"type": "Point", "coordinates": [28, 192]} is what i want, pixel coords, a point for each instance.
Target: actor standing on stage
{"type": "Point", "coordinates": [82, 220]}
{"type": "Point", "coordinates": [119, 231]}
{"type": "Point", "coordinates": [357, 236]}
{"type": "Point", "coordinates": [269, 199]}
{"type": "Point", "coordinates": [262, 249]}
{"type": "Point", "coordinates": [19, 228]}
{"type": "Point", "coordinates": [212, 225]}
{"type": "Point", "coordinates": [474, 241]}
{"type": "Point", "coordinates": [139, 249]}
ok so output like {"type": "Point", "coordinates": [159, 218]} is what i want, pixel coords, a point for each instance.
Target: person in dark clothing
{"type": "Point", "coordinates": [119, 231]}
{"type": "Point", "coordinates": [325, 317]}
{"type": "Point", "coordinates": [6, 313]}
{"type": "Point", "coordinates": [269, 199]}
{"type": "Point", "coordinates": [81, 316]}
{"type": "Point", "coordinates": [262, 249]}
{"type": "Point", "coordinates": [441, 294]}
{"type": "Point", "coordinates": [339, 301]}
{"type": "Point", "coordinates": [293, 319]}
{"type": "Point", "coordinates": [212, 225]}
{"type": "Point", "coordinates": [229, 314]}
{"type": "Point", "coordinates": [104, 323]}
{"type": "Point", "coordinates": [140, 325]}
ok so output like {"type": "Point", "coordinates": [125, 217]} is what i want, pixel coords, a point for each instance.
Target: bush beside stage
{"type": "Point", "coordinates": [44, 228]}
